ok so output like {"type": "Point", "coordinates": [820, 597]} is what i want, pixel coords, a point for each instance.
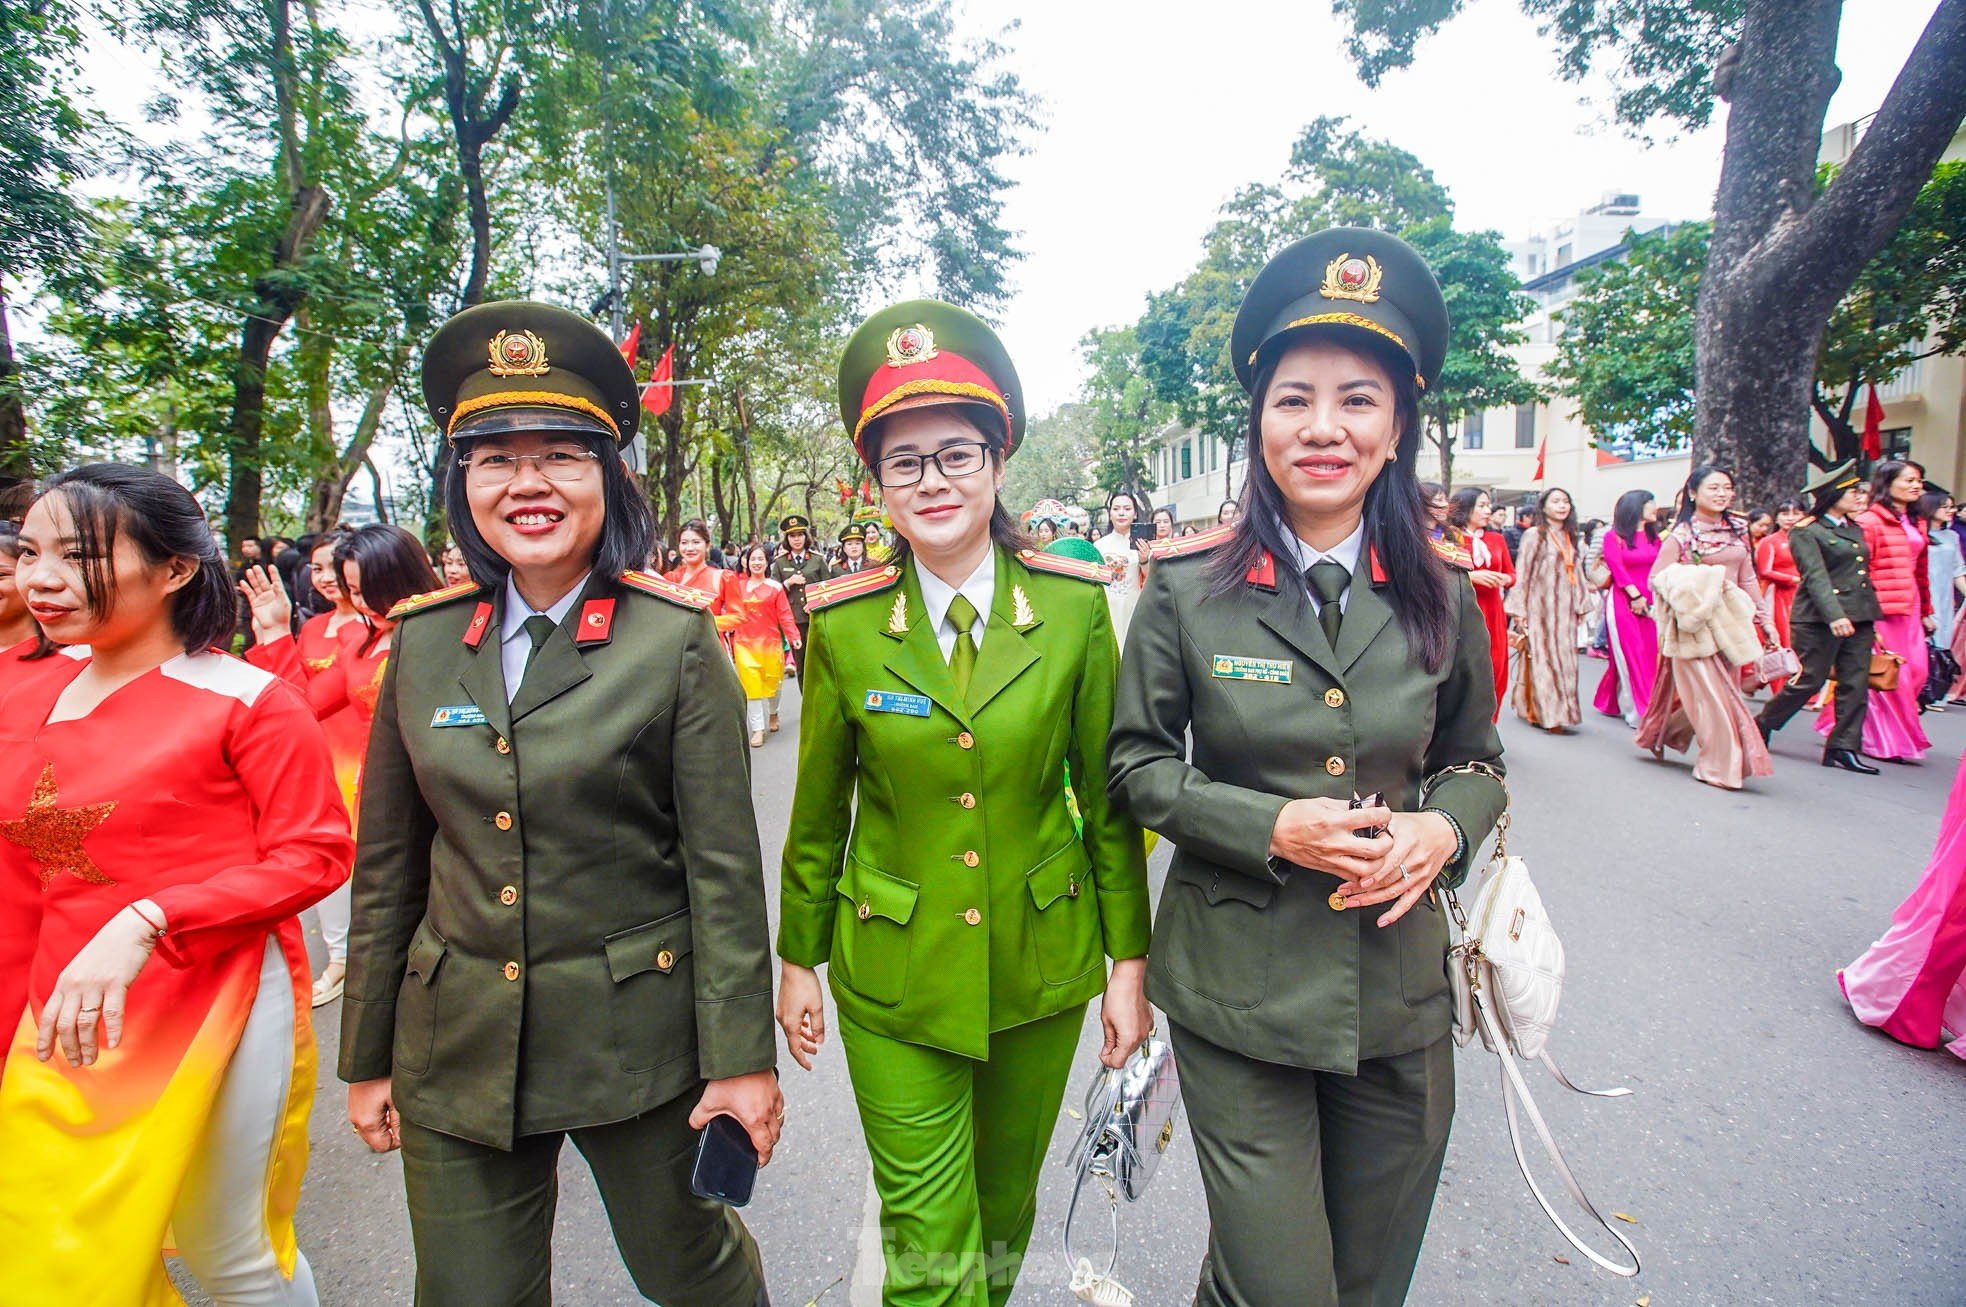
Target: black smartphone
{"type": "Point", "coordinates": [1369, 801]}
{"type": "Point", "coordinates": [726, 1164]}
{"type": "Point", "coordinates": [1143, 531]}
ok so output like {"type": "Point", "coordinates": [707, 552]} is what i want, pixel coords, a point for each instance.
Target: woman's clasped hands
{"type": "Point", "coordinates": [1396, 866]}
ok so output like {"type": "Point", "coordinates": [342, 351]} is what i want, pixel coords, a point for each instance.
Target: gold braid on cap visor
{"type": "Point", "coordinates": [930, 386]}
{"type": "Point", "coordinates": [1344, 320]}
{"type": "Point", "coordinates": [531, 399]}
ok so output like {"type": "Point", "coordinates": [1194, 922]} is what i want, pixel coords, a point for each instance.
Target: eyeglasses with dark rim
{"type": "Point", "coordinates": [959, 459]}
{"type": "Point", "coordinates": [496, 469]}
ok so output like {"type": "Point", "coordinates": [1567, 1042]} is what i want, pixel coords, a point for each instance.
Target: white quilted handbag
{"type": "Point", "coordinates": [1507, 975]}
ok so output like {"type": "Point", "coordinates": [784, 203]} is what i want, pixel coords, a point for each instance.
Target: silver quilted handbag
{"type": "Point", "coordinates": [1129, 1123]}
{"type": "Point", "coordinates": [1507, 976]}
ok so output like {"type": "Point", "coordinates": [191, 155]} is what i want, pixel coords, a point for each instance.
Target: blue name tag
{"type": "Point", "coordinates": [463, 714]}
{"type": "Point", "coordinates": [908, 705]}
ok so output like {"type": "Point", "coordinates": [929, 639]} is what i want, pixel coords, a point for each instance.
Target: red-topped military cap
{"type": "Point", "coordinates": [922, 353]}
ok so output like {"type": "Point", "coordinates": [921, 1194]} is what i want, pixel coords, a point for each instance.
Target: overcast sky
{"type": "Point", "coordinates": [1155, 112]}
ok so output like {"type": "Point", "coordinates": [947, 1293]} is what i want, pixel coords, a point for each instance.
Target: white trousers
{"type": "Point", "coordinates": [220, 1217]}
{"type": "Point", "coordinates": [334, 911]}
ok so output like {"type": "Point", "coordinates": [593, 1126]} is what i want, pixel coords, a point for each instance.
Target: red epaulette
{"type": "Point", "coordinates": [432, 598]}
{"type": "Point", "coordinates": [1065, 565]}
{"type": "Point", "coordinates": [1182, 546]}
{"type": "Point", "coordinates": [842, 588]}
{"type": "Point", "coordinates": [662, 588]}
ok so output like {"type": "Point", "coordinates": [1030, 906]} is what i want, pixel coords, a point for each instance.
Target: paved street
{"type": "Point", "coordinates": [1774, 1151]}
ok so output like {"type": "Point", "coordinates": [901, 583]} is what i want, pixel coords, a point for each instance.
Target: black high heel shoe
{"type": "Point", "coordinates": [1848, 760]}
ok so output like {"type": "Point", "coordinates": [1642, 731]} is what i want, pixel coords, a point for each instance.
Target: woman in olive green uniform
{"type": "Point", "coordinates": [1314, 650]}
{"type": "Point", "coordinates": [965, 919]}
{"type": "Point", "coordinates": [559, 911]}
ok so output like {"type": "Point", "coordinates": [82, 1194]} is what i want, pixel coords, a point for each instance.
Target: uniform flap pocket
{"type": "Point", "coordinates": [1062, 875]}
{"type": "Point", "coordinates": [426, 951]}
{"type": "Point", "coordinates": [1218, 883]}
{"type": "Point", "coordinates": [658, 946]}
{"type": "Point", "coordinates": [877, 894]}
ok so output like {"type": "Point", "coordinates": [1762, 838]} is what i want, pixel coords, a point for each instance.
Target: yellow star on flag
{"type": "Point", "coordinates": [53, 835]}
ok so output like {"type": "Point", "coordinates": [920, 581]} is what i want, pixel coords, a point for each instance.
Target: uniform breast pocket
{"type": "Point", "coordinates": [871, 941]}
{"type": "Point", "coordinates": [1065, 915]}
{"type": "Point", "coordinates": [416, 1001]}
{"type": "Point", "coordinates": [652, 999]}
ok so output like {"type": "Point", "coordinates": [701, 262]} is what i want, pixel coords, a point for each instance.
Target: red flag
{"type": "Point", "coordinates": [632, 344]}
{"type": "Point", "coordinates": [1540, 450]}
{"type": "Point", "coordinates": [1873, 445]}
{"type": "Point", "coordinates": [846, 492]}
{"type": "Point", "coordinates": [660, 392]}
{"type": "Point", "coordinates": [866, 492]}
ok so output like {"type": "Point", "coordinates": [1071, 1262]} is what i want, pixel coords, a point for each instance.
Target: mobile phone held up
{"type": "Point", "coordinates": [726, 1164]}
{"type": "Point", "coordinates": [1142, 531]}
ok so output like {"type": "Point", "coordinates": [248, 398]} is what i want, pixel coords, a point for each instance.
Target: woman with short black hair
{"type": "Point", "coordinates": [156, 798]}
{"type": "Point", "coordinates": [1317, 652]}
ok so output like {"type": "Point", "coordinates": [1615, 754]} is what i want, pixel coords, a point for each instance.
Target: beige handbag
{"type": "Point", "coordinates": [1507, 974]}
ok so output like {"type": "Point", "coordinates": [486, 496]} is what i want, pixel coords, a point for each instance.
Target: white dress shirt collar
{"type": "Point", "coordinates": [513, 645]}
{"type": "Point", "coordinates": [1345, 553]}
{"type": "Point", "coordinates": [980, 589]}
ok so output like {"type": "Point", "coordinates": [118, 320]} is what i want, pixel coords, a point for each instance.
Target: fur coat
{"type": "Point", "coordinates": [1702, 612]}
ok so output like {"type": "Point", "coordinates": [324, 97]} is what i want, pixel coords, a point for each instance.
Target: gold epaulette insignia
{"type": "Point", "coordinates": [841, 588]}
{"type": "Point", "coordinates": [663, 588]}
{"type": "Point", "coordinates": [1182, 546]}
{"type": "Point", "coordinates": [432, 598]}
{"type": "Point", "coordinates": [1064, 565]}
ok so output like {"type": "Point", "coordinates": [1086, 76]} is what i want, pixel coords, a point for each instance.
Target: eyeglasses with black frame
{"type": "Point", "coordinates": [493, 467]}
{"type": "Point", "coordinates": [959, 458]}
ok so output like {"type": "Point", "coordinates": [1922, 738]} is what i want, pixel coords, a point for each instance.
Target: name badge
{"type": "Point", "coordinates": [463, 714]}
{"type": "Point", "coordinates": [1229, 667]}
{"type": "Point", "coordinates": [908, 705]}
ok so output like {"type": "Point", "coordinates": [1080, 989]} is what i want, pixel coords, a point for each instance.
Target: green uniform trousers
{"type": "Point", "coordinates": [481, 1218]}
{"type": "Point", "coordinates": [1823, 655]}
{"type": "Point", "coordinates": [1319, 1184]}
{"type": "Point", "coordinates": [956, 1146]}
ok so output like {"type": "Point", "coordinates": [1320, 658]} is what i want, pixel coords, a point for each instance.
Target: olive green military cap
{"type": "Point", "coordinates": [925, 352]}
{"type": "Point", "coordinates": [1841, 477]}
{"type": "Point", "coordinates": [1346, 281]}
{"type": "Point", "coordinates": [517, 365]}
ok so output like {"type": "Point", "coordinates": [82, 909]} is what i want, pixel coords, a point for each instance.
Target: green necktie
{"type": "Point", "coordinates": [962, 660]}
{"type": "Point", "coordinates": [539, 629]}
{"type": "Point", "coordinates": [1328, 581]}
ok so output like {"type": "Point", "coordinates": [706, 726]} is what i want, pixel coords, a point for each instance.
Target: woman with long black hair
{"type": "Point", "coordinates": [1316, 650]}
{"type": "Point", "coordinates": [165, 811]}
{"type": "Point", "coordinates": [1551, 595]}
{"type": "Point", "coordinates": [1630, 547]}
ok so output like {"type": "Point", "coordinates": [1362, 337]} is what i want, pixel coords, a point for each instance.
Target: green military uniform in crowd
{"type": "Point", "coordinates": [1833, 563]}
{"type": "Point", "coordinates": [1313, 1044]}
{"type": "Point", "coordinates": [559, 921]}
{"type": "Point", "coordinates": [932, 861]}
{"type": "Point", "coordinates": [806, 563]}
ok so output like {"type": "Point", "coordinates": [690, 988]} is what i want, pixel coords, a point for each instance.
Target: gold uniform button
{"type": "Point", "coordinates": [503, 745]}
{"type": "Point", "coordinates": [1337, 901]}
{"type": "Point", "coordinates": [970, 859]}
{"type": "Point", "coordinates": [966, 740]}
{"type": "Point", "coordinates": [511, 971]}
{"type": "Point", "coordinates": [508, 896]}
{"type": "Point", "coordinates": [1336, 766]}
{"type": "Point", "coordinates": [1334, 698]}
{"type": "Point", "coordinates": [665, 961]}
{"type": "Point", "coordinates": [504, 820]}
{"type": "Point", "coordinates": [865, 911]}
{"type": "Point", "coordinates": [1072, 889]}
{"type": "Point", "coordinates": [967, 800]}
{"type": "Point", "coordinates": [973, 917]}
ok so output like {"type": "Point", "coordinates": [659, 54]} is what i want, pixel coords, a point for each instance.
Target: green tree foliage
{"type": "Point", "coordinates": [1125, 411]}
{"type": "Point", "coordinates": [1625, 357]}
{"type": "Point", "coordinates": [1052, 461]}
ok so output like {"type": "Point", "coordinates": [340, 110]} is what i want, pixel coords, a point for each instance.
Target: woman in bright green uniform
{"type": "Point", "coordinates": [1316, 649]}
{"type": "Point", "coordinates": [965, 919]}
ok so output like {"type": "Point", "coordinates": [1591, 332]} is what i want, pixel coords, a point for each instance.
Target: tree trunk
{"type": "Point", "coordinates": [276, 296]}
{"type": "Point", "coordinates": [14, 464]}
{"type": "Point", "coordinates": [1781, 257]}
{"type": "Point", "coordinates": [330, 488]}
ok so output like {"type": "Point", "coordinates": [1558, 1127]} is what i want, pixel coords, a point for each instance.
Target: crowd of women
{"type": "Point", "coordinates": [510, 798]}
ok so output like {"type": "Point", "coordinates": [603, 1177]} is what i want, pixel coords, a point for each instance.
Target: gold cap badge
{"type": "Point", "coordinates": [520, 355]}
{"type": "Point", "coordinates": [906, 345]}
{"type": "Point", "coordinates": [1347, 278]}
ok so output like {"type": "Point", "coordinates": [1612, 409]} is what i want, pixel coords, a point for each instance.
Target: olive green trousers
{"type": "Point", "coordinates": [956, 1146]}
{"type": "Point", "coordinates": [1319, 1184]}
{"type": "Point", "coordinates": [481, 1218]}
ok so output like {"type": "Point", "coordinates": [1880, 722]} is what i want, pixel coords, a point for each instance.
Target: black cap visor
{"type": "Point", "coordinates": [520, 420]}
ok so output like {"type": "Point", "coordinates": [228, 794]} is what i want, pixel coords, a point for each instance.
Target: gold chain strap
{"type": "Point", "coordinates": [1501, 823]}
